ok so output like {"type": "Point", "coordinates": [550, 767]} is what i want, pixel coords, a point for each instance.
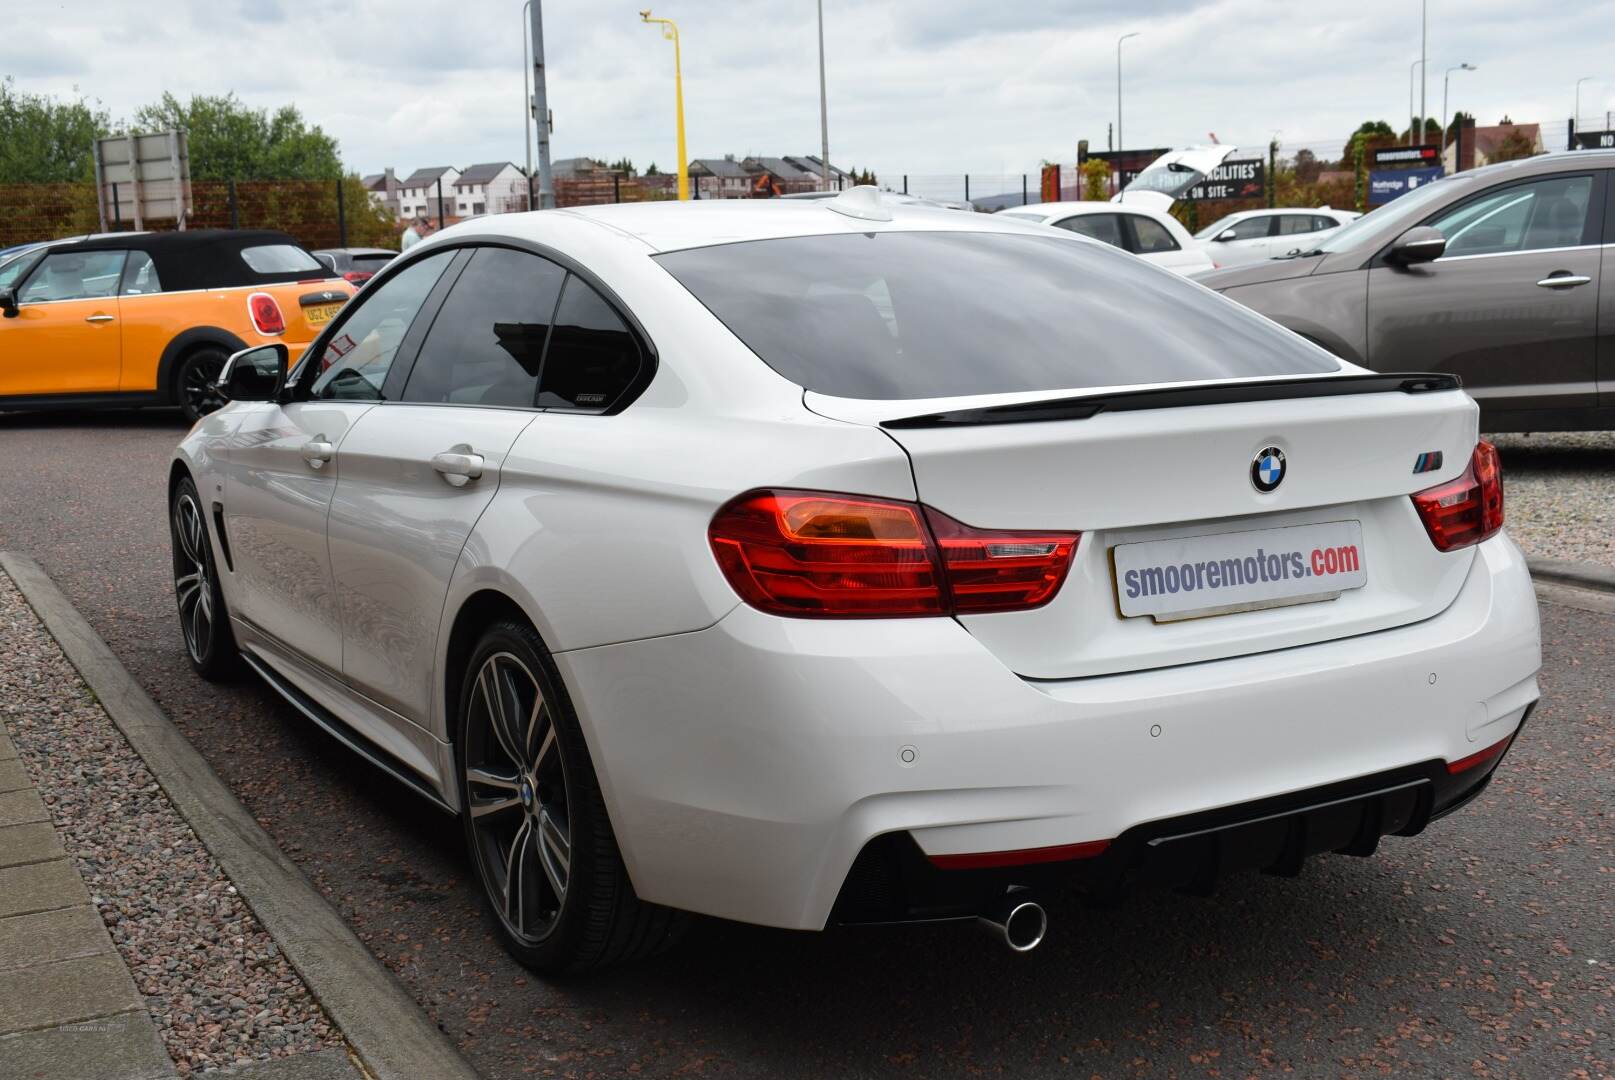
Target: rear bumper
{"type": "Point", "coordinates": [747, 766]}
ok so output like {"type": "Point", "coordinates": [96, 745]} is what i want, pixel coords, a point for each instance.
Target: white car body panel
{"type": "Point", "coordinates": [747, 758]}
{"type": "Point", "coordinates": [1239, 252]}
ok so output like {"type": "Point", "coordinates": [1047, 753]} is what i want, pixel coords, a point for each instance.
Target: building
{"type": "Point", "coordinates": [777, 176]}
{"type": "Point", "coordinates": [1481, 144]}
{"type": "Point", "coordinates": [383, 190]}
{"type": "Point", "coordinates": [720, 178]}
{"type": "Point", "coordinates": [418, 194]}
{"type": "Point", "coordinates": [814, 166]}
{"type": "Point", "coordinates": [498, 187]}
{"type": "Point", "coordinates": [578, 168]}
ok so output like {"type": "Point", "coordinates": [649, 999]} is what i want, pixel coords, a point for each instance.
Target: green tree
{"type": "Point", "coordinates": [231, 141]}
{"type": "Point", "coordinates": [652, 170]}
{"type": "Point", "coordinates": [1515, 145]}
{"type": "Point", "coordinates": [1369, 133]}
{"type": "Point", "coordinates": [623, 165]}
{"type": "Point", "coordinates": [1459, 117]}
{"type": "Point", "coordinates": [45, 141]}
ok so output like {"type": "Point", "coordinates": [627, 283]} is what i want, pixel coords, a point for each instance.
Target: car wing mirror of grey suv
{"type": "Point", "coordinates": [1418, 245]}
{"type": "Point", "coordinates": [255, 374]}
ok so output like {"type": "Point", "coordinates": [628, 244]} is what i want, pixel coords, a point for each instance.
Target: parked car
{"type": "Point", "coordinates": [849, 562]}
{"type": "Point", "coordinates": [355, 265]}
{"type": "Point", "coordinates": [1493, 275]}
{"type": "Point", "coordinates": [1153, 235]}
{"type": "Point", "coordinates": [1254, 235]}
{"type": "Point", "coordinates": [13, 263]}
{"type": "Point", "coordinates": [136, 319]}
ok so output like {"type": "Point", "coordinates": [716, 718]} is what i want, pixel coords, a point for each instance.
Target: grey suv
{"type": "Point", "coordinates": [1496, 275]}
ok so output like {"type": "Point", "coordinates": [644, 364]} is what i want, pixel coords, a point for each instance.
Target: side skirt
{"type": "Point", "coordinates": [121, 399]}
{"type": "Point", "coordinates": [345, 734]}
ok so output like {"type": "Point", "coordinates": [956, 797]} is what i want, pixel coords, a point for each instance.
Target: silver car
{"type": "Point", "coordinates": [1492, 275]}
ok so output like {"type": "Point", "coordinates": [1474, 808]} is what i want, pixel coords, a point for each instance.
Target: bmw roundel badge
{"type": "Point", "coordinates": [1267, 469]}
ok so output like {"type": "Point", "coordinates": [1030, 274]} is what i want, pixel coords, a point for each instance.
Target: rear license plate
{"type": "Point", "coordinates": [1191, 577]}
{"type": "Point", "coordinates": [320, 313]}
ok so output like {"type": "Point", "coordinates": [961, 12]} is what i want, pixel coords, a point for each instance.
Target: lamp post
{"type": "Point", "coordinates": [527, 102]}
{"type": "Point", "coordinates": [540, 107]}
{"type": "Point", "coordinates": [1584, 78]}
{"type": "Point", "coordinates": [1445, 80]}
{"type": "Point", "coordinates": [670, 31]}
{"type": "Point", "coordinates": [824, 109]}
{"type": "Point", "coordinates": [1119, 41]}
{"type": "Point", "coordinates": [1412, 122]}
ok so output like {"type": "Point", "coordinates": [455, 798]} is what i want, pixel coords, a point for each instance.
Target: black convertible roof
{"type": "Point", "coordinates": [201, 258]}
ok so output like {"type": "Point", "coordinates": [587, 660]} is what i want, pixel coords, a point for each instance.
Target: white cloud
{"type": "Point", "coordinates": [919, 86]}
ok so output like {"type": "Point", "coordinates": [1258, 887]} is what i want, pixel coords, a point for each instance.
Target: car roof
{"type": "Point", "coordinates": [672, 226]}
{"type": "Point", "coordinates": [197, 258]}
{"type": "Point", "coordinates": [1085, 206]}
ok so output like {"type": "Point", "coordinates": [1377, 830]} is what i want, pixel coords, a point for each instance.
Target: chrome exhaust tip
{"type": "Point", "coordinates": [1020, 923]}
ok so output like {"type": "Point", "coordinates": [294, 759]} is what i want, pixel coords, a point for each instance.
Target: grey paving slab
{"type": "Point", "coordinates": [40, 887]}
{"type": "Point", "coordinates": [333, 1064]}
{"type": "Point", "coordinates": [66, 992]}
{"type": "Point", "coordinates": [17, 807]}
{"type": "Point", "coordinates": [30, 843]}
{"type": "Point", "coordinates": [13, 777]}
{"type": "Point", "coordinates": [122, 1047]}
{"type": "Point", "coordinates": [46, 937]}
{"type": "Point", "coordinates": [8, 749]}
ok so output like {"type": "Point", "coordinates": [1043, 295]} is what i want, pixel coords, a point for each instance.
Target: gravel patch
{"type": "Point", "coordinates": [212, 977]}
{"type": "Point", "coordinates": [1559, 493]}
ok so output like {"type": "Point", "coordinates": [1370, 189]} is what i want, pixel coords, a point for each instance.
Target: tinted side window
{"type": "Point", "coordinates": [1106, 227]}
{"type": "Point", "coordinates": [1549, 213]}
{"type": "Point", "coordinates": [1252, 228]}
{"type": "Point", "coordinates": [487, 343]}
{"type": "Point", "coordinates": [354, 362]}
{"type": "Point", "coordinates": [69, 275]}
{"type": "Point", "coordinates": [593, 356]}
{"type": "Point", "coordinates": [1292, 224]}
{"type": "Point", "coordinates": [1319, 224]}
{"type": "Point", "coordinates": [1152, 235]}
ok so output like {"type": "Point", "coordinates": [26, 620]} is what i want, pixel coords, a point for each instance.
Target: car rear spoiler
{"type": "Point", "coordinates": [1178, 397]}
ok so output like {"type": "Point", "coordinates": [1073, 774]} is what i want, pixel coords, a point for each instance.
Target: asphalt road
{"type": "Point", "coordinates": [1485, 947]}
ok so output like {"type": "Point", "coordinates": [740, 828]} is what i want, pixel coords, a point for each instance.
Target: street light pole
{"type": "Point", "coordinates": [527, 100]}
{"type": "Point", "coordinates": [1584, 78]}
{"type": "Point", "coordinates": [1412, 121]}
{"type": "Point", "coordinates": [1424, 63]}
{"type": "Point", "coordinates": [1119, 41]}
{"type": "Point", "coordinates": [541, 108]}
{"type": "Point", "coordinates": [670, 31]}
{"type": "Point", "coordinates": [1445, 81]}
{"type": "Point", "coordinates": [824, 109]}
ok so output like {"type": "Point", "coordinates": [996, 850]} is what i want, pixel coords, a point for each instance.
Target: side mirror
{"type": "Point", "coordinates": [1227, 235]}
{"type": "Point", "coordinates": [1421, 244]}
{"type": "Point", "coordinates": [8, 302]}
{"type": "Point", "coordinates": [255, 374]}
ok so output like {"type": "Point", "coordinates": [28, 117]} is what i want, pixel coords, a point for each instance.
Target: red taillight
{"type": "Point", "coordinates": [1000, 571]}
{"type": "Point", "coordinates": [1091, 849]}
{"type": "Point", "coordinates": [266, 314]}
{"type": "Point", "coordinates": [818, 554]}
{"type": "Point", "coordinates": [358, 277]}
{"type": "Point", "coordinates": [1469, 509]}
{"type": "Point", "coordinates": [1491, 753]}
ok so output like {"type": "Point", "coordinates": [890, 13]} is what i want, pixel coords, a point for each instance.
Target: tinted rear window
{"type": "Point", "coordinates": [372, 262]}
{"type": "Point", "coordinates": [935, 314]}
{"type": "Point", "coordinates": [280, 259]}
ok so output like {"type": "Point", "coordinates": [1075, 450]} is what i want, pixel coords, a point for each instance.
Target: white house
{"type": "Point", "coordinates": [417, 195]}
{"type": "Point", "coordinates": [497, 187]}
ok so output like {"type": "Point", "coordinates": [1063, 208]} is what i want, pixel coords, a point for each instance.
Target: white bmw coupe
{"type": "Point", "coordinates": [835, 561]}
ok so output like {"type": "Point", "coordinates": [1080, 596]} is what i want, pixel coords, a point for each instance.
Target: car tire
{"type": "Point", "coordinates": [204, 621]}
{"type": "Point", "coordinates": [534, 816]}
{"type": "Point", "coordinates": [193, 390]}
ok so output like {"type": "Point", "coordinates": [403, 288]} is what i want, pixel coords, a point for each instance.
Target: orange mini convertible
{"type": "Point", "coordinates": [149, 318]}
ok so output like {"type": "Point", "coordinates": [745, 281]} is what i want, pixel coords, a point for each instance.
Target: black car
{"type": "Point", "coordinates": [356, 265]}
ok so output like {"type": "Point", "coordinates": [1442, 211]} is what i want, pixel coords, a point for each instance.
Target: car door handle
{"type": "Point", "coordinates": [1563, 281]}
{"type": "Point", "coordinates": [459, 465]}
{"type": "Point", "coordinates": [99, 318]}
{"type": "Point", "coordinates": [317, 452]}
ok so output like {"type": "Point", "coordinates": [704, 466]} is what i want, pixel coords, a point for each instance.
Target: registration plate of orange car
{"type": "Point", "coordinates": [320, 313]}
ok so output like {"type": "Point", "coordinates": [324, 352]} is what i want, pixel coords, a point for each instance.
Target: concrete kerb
{"type": "Point", "coordinates": [391, 1034]}
{"type": "Point", "coordinates": [1582, 575]}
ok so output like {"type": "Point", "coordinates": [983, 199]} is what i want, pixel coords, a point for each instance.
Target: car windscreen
{"type": "Point", "coordinates": [893, 315]}
{"type": "Point", "coordinates": [1406, 209]}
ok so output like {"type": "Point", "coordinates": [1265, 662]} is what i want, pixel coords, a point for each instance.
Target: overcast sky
{"type": "Point", "coordinates": [915, 86]}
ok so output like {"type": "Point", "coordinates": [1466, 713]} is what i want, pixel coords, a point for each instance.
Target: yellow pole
{"type": "Point", "coordinates": [670, 31]}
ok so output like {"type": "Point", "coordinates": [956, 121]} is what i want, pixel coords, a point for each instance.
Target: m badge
{"type": "Point", "coordinates": [1267, 469]}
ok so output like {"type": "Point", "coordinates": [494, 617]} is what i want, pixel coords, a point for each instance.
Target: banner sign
{"type": "Point", "coordinates": [1245, 179]}
{"type": "Point", "coordinates": [1386, 184]}
{"type": "Point", "coordinates": [1407, 155]}
{"type": "Point", "coordinates": [1595, 140]}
